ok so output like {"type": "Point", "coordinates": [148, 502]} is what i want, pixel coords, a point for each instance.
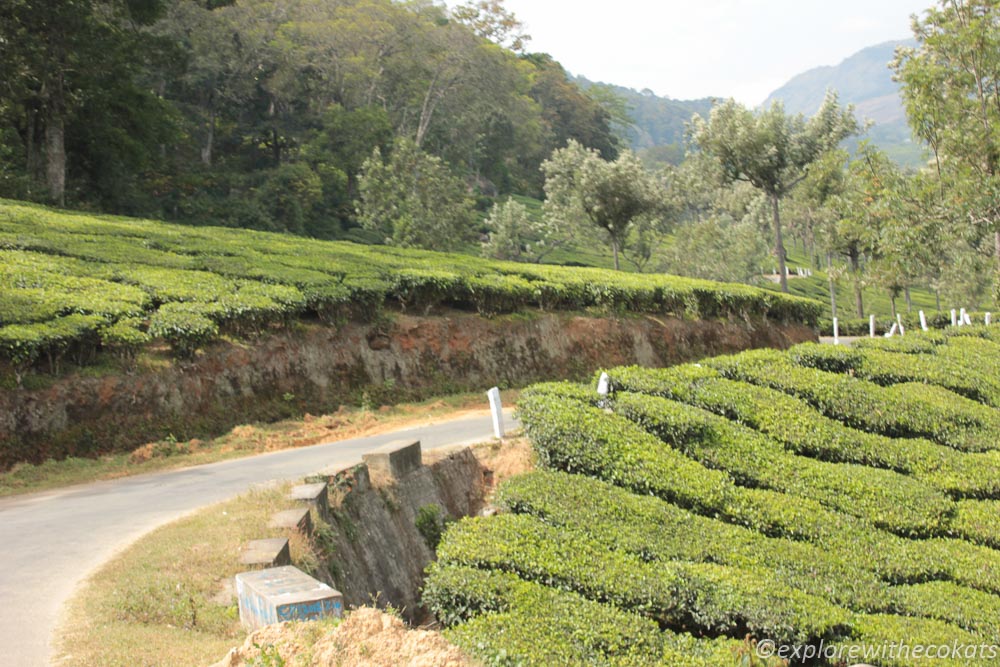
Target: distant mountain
{"type": "Point", "coordinates": [865, 81]}
{"type": "Point", "coordinates": [657, 128]}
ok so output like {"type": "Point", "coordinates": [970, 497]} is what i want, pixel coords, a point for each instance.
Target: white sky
{"type": "Point", "coordinates": [701, 48]}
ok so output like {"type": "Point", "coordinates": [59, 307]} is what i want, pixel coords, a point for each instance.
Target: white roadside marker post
{"type": "Point", "coordinates": [923, 321]}
{"type": "Point", "coordinates": [899, 320]}
{"type": "Point", "coordinates": [871, 326]}
{"type": "Point", "coordinates": [603, 388]}
{"type": "Point", "coordinates": [497, 411]}
{"type": "Point", "coordinates": [892, 331]}
{"type": "Point", "coordinates": [836, 332]}
{"type": "Point", "coordinates": [989, 317]}
{"type": "Point", "coordinates": [954, 318]}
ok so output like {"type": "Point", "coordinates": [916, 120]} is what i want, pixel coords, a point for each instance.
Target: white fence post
{"type": "Point", "coordinates": [497, 410]}
{"type": "Point", "coordinates": [836, 332]}
{"type": "Point", "coordinates": [923, 321]}
{"type": "Point", "coordinates": [871, 326]}
{"type": "Point", "coordinates": [954, 318]}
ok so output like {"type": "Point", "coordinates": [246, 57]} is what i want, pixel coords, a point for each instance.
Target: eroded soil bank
{"type": "Point", "coordinates": [316, 368]}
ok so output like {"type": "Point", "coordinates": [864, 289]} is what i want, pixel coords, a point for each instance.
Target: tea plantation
{"type": "Point", "coordinates": [73, 284]}
{"type": "Point", "coordinates": [842, 502]}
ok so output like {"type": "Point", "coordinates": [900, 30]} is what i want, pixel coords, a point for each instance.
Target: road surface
{"type": "Point", "coordinates": [51, 541]}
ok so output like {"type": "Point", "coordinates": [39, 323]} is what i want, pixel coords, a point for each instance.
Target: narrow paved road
{"type": "Point", "coordinates": [51, 541]}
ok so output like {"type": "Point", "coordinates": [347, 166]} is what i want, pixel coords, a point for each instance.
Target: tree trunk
{"type": "Point", "coordinates": [937, 299]}
{"type": "Point", "coordinates": [614, 249]}
{"type": "Point", "coordinates": [909, 299]}
{"type": "Point", "coordinates": [427, 110]}
{"type": "Point", "coordinates": [859, 304]}
{"type": "Point", "coordinates": [996, 247]}
{"type": "Point", "coordinates": [779, 247]}
{"type": "Point", "coordinates": [206, 152]}
{"type": "Point", "coordinates": [55, 146]}
{"type": "Point", "coordinates": [33, 140]}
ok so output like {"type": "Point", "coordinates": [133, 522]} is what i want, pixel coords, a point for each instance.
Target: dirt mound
{"type": "Point", "coordinates": [366, 636]}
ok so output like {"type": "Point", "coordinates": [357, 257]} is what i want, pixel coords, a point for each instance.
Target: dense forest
{"type": "Point", "coordinates": [414, 124]}
{"type": "Point", "coordinates": [260, 113]}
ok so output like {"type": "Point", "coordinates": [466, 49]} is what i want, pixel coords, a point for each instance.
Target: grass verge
{"type": "Point", "coordinates": [168, 599]}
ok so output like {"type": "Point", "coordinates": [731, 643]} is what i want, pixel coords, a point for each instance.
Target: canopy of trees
{"type": "Point", "coordinates": [200, 110]}
{"type": "Point", "coordinates": [416, 124]}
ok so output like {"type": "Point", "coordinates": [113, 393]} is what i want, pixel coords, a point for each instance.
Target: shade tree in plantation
{"type": "Point", "coordinates": [949, 88]}
{"type": "Point", "coordinates": [770, 149]}
{"type": "Point", "coordinates": [717, 232]}
{"type": "Point", "coordinates": [412, 199]}
{"type": "Point", "coordinates": [717, 247]}
{"type": "Point", "coordinates": [811, 207]}
{"type": "Point", "coordinates": [620, 198]}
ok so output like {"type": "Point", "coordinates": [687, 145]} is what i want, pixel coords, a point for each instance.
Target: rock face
{"type": "Point", "coordinates": [316, 368]}
{"type": "Point", "coordinates": [377, 551]}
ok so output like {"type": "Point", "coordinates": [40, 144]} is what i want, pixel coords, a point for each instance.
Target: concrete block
{"type": "Point", "coordinates": [355, 478]}
{"type": "Point", "coordinates": [266, 553]}
{"type": "Point", "coordinates": [298, 519]}
{"type": "Point", "coordinates": [395, 459]}
{"type": "Point", "coordinates": [312, 494]}
{"type": "Point", "coordinates": [284, 594]}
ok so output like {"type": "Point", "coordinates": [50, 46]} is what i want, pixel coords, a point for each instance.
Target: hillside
{"type": "Point", "coordinates": [657, 123]}
{"type": "Point", "coordinates": [865, 81]}
{"type": "Point", "coordinates": [819, 496]}
{"type": "Point", "coordinates": [157, 306]}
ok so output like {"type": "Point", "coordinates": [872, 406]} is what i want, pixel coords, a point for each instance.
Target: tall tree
{"type": "Point", "coordinates": [491, 20]}
{"type": "Point", "coordinates": [412, 199]}
{"type": "Point", "coordinates": [949, 84]}
{"type": "Point", "coordinates": [51, 47]}
{"type": "Point", "coordinates": [621, 197]}
{"type": "Point", "coordinates": [771, 150]}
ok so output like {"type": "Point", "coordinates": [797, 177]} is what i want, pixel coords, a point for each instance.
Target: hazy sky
{"type": "Point", "coordinates": [699, 48]}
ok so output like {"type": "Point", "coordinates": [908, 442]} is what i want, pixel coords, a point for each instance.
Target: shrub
{"type": "Point", "coordinates": [714, 597]}
{"type": "Point", "coordinates": [877, 631]}
{"type": "Point", "coordinates": [186, 327]}
{"type": "Point", "coordinates": [54, 264]}
{"type": "Point", "coordinates": [903, 410]}
{"type": "Point", "coordinates": [883, 498]}
{"type": "Point", "coordinates": [802, 429]}
{"type": "Point", "coordinates": [978, 521]}
{"type": "Point", "coordinates": [572, 436]}
{"type": "Point", "coordinates": [124, 338]}
{"type": "Point", "coordinates": [24, 344]}
{"type": "Point", "coordinates": [889, 368]}
{"type": "Point", "coordinates": [655, 530]}
{"type": "Point", "coordinates": [503, 619]}
{"type": "Point", "coordinates": [972, 610]}
{"type": "Point", "coordinates": [430, 522]}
